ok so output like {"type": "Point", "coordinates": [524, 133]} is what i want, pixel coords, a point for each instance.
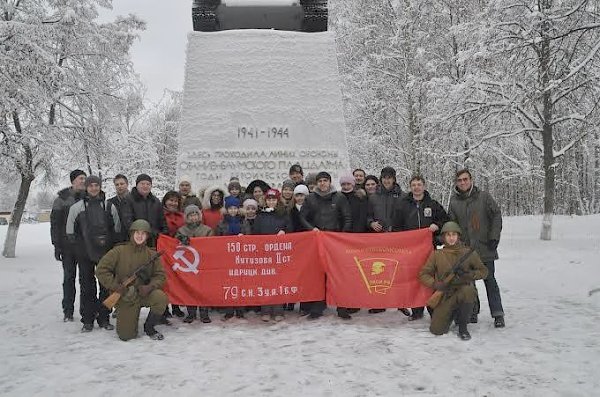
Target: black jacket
{"type": "Point", "coordinates": [58, 217]}
{"type": "Point", "coordinates": [411, 214]}
{"type": "Point", "coordinates": [359, 206]}
{"type": "Point", "coordinates": [119, 203]}
{"type": "Point", "coordinates": [91, 228]}
{"type": "Point", "coordinates": [382, 205]}
{"type": "Point", "coordinates": [149, 208]}
{"type": "Point", "coordinates": [271, 223]}
{"type": "Point", "coordinates": [295, 221]}
{"type": "Point", "coordinates": [327, 211]}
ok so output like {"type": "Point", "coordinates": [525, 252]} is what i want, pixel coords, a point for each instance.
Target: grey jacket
{"type": "Point", "coordinates": [479, 218]}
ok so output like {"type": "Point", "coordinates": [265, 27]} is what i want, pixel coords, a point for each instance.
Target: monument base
{"type": "Point", "coordinates": [258, 101]}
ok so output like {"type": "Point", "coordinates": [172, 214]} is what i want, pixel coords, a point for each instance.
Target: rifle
{"type": "Point", "coordinates": [435, 299]}
{"type": "Point", "coordinates": [112, 300]}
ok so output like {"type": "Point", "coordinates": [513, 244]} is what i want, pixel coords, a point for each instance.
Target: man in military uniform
{"type": "Point", "coordinates": [120, 263]}
{"type": "Point", "coordinates": [460, 293]}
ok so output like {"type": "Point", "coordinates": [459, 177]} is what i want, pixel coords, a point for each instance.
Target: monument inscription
{"type": "Point", "coordinates": [258, 101]}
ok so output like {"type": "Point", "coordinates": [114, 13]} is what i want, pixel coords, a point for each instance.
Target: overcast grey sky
{"type": "Point", "coordinates": [159, 55]}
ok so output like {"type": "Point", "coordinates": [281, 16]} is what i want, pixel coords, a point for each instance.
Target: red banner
{"type": "Point", "coordinates": [363, 270]}
{"type": "Point", "coordinates": [376, 270]}
{"type": "Point", "coordinates": [243, 270]}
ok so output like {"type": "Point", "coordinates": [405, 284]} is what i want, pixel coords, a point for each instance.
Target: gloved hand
{"type": "Point", "coordinates": [58, 254]}
{"type": "Point", "coordinates": [440, 286]}
{"type": "Point", "coordinates": [185, 240]}
{"type": "Point", "coordinates": [493, 244]}
{"type": "Point", "coordinates": [144, 290]}
{"type": "Point", "coordinates": [121, 289]}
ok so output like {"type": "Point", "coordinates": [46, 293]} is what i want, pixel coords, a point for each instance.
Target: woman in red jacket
{"type": "Point", "coordinates": [172, 210]}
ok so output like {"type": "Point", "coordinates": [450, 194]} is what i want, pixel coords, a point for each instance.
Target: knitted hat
{"type": "Point", "coordinates": [143, 177]}
{"type": "Point", "coordinates": [273, 193]}
{"type": "Point", "coordinates": [322, 175]}
{"type": "Point", "coordinates": [301, 189]}
{"type": "Point", "coordinates": [92, 179]}
{"type": "Point", "coordinates": [347, 179]}
{"type": "Point", "coordinates": [75, 173]}
{"type": "Point", "coordinates": [231, 201]}
{"type": "Point", "coordinates": [185, 178]}
{"type": "Point", "coordinates": [250, 203]}
{"type": "Point", "coordinates": [191, 209]}
{"type": "Point", "coordinates": [288, 183]}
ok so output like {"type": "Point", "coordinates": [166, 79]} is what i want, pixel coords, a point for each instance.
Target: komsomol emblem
{"type": "Point", "coordinates": [377, 273]}
{"type": "Point", "coordinates": [187, 259]}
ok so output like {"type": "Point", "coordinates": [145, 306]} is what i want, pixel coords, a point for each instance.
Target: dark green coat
{"type": "Point", "coordinates": [120, 263]}
{"type": "Point", "coordinates": [479, 218]}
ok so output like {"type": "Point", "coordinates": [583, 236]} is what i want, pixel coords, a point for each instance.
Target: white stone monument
{"type": "Point", "coordinates": [258, 101]}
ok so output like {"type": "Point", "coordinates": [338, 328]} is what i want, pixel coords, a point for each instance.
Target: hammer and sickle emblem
{"type": "Point", "coordinates": [179, 255]}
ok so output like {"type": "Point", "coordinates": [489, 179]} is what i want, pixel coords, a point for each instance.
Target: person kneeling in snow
{"type": "Point", "coordinates": [460, 293]}
{"type": "Point", "coordinates": [120, 263]}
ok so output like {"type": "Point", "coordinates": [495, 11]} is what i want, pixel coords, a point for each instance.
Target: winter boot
{"type": "Point", "coordinates": [342, 313]}
{"type": "Point", "coordinates": [177, 311]}
{"type": "Point", "coordinates": [189, 319]}
{"type": "Point", "coordinates": [152, 320]}
{"type": "Point", "coordinates": [87, 328]}
{"type": "Point", "coordinates": [499, 322]}
{"type": "Point", "coordinates": [239, 314]}
{"type": "Point", "coordinates": [404, 311]}
{"type": "Point", "coordinates": [374, 311]}
{"type": "Point", "coordinates": [228, 316]}
{"type": "Point", "coordinates": [204, 316]}
{"type": "Point", "coordinates": [106, 325]}
{"type": "Point", "coordinates": [68, 318]}
{"type": "Point", "coordinates": [464, 312]}
{"type": "Point", "coordinates": [265, 317]}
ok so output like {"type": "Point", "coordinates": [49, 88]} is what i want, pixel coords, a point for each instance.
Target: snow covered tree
{"type": "Point", "coordinates": [58, 65]}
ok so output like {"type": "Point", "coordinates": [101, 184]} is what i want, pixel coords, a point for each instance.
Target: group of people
{"type": "Point", "coordinates": [110, 239]}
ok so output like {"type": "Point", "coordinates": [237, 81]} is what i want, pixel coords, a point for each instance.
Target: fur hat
{"type": "Point", "coordinates": [192, 208]}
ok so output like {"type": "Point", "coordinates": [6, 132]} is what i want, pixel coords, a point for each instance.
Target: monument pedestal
{"type": "Point", "coordinates": [258, 101]}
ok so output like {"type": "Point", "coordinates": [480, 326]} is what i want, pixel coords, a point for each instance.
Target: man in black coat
{"type": "Point", "coordinates": [381, 209]}
{"type": "Point", "coordinates": [327, 210]}
{"type": "Point", "coordinates": [118, 201]}
{"type": "Point", "coordinates": [58, 219]}
{"type": "Point", "coordinates": [142, 204]}
{"type": "Point", "coordinates": [383, 202]}
{"type": "Point", "coordinates": [417, 210]}
{"type": "Point", "coordinates": [90, 231]}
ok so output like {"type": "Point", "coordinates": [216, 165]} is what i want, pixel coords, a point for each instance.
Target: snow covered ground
{"type": "Point", "coordinates": [550, 347]}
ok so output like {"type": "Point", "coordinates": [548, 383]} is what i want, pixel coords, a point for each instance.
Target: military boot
{"type": "Point", "coordinates": [152, 320]}
{"type": "Point", "coordinates": [464, 313]}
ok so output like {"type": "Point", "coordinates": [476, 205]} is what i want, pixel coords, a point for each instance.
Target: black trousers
{"type": "Point", "coordinates": [69, 264]}
{"type": "Point", "coordinates": [91, 302]}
